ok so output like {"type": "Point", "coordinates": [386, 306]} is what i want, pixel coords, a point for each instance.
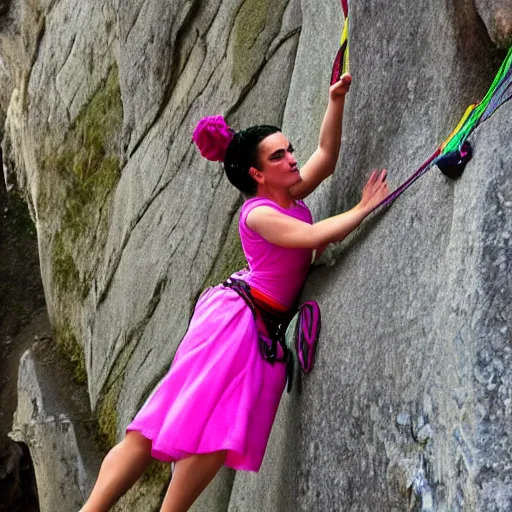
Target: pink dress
{"type": "Point", "coordinates": [220, 394]}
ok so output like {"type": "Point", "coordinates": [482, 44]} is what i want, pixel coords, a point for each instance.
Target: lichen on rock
{"type": "Point", "coordinates": [88, 162]}
{"type": "Point", "coordinates": [78, 179]}
{"type": "Point", "coordinates": [71, 349]}
{"type": "Point", "coordinates": [254, 22]}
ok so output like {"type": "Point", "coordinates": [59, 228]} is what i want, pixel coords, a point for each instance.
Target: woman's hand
{"type": "Point", "coordinates": [375, 191]}
{"type": "Point", "coordinates": [338, 90]}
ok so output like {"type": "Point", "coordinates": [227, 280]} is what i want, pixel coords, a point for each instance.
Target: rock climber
{"type": "Point", "coordinates": [217, 403]}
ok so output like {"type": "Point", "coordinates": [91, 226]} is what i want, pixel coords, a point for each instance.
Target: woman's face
{"type": "Point", "coordinates": [277, 165]}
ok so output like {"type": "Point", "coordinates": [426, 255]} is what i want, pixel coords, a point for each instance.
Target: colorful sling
{"type": "Point", "coordinates": [455, 152]}
{"type": "Point", "coordinates": [341, 60]}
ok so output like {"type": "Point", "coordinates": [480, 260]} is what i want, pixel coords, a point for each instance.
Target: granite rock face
{"type": "Point", "coordinates": [64, 457]}
{"type": "Point", "coordinates": [409, 405]}
{"type": "Point", "coordinates": [497, 16]}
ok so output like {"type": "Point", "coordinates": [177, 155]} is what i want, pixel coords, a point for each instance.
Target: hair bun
{"type": "Point", "coordinates": [212, 137]}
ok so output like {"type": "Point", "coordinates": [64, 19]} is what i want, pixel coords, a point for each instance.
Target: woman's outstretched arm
{"type": "Point", "coordinates": [322, 162]}
{"type": "Point", "coordinates": [286, 231]}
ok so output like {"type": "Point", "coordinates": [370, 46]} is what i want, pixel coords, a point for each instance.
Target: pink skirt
{"type": "Point", "coordinates": [219, 394]}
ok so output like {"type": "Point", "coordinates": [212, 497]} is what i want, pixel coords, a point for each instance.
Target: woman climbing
{"type": "Point", "coordinates": [218, 401]}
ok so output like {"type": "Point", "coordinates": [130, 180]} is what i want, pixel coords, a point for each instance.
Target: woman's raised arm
{"type": "Point", "coordinates": [322, 162]}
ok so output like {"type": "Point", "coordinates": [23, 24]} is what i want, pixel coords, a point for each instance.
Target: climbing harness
{"type": "Point", "coordinates": [455, 152]}
{"type": "Point", "coordinates": [282, 333]}
{"type": "Point", "coordinates": [271, 327]}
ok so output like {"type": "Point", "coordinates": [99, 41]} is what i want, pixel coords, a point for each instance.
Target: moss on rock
{"type": "Point", "coordinates": [66, 276]}
{"type": "Point", "coordinates": [158, 473]}
{"type": "Point", "coordinates": [106, 415]}
{"type": "Point", "coordinates": [76, 185]}
{"type": "Point", "coordinates": [77, 180]}
{"type": "Point", "coordinates": [87, 164]}
{"type": "Point", "coordinates": [249, 24]}
{"type": "Point", "coordinates": [71, 349]}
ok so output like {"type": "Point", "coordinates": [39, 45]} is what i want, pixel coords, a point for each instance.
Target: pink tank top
{"type": "Point", "coordinates": [278, 272]}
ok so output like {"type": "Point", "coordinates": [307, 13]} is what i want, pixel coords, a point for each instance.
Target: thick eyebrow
{"type": "Point", "coordinates": [275, 153]}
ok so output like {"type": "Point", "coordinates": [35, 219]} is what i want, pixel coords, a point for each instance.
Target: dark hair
{"type": "Point", "coordinates": [242, 154]}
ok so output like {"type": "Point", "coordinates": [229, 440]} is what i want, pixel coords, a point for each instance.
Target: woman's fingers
{"type": "Point", "coordinates": [345, 79]}
{"type": "Point", "coordinates": [383, 191]}
{"type": "Point", "coordinates": [380, 177]}
{"type": "Point", "coordinates": [369, 188]}
{"type": "Point", "coordinates": [373, 178]}
{"type": "Point", "coordinates": [382, 184]}
{"type": "Point", "coordinates": [379, 186]}
{"type": "Point", "coordinates": [377, 178]}
{"type": "Point", "coordinates": [342, 86]}
{"type": "Point", "coordinates": [376, 188]}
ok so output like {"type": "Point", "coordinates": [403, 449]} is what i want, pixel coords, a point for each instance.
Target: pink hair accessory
{"type": "Point", "coordinates": [212, 136]}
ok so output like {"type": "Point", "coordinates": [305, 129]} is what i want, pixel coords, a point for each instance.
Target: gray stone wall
{"type": "Point", "coordinates": [409, 404]}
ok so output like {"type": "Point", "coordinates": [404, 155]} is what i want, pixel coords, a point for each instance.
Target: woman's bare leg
{"type": "Point", "coordinates": [189, 479]}
{"type": "Point", "coordinates": [121, 468]}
